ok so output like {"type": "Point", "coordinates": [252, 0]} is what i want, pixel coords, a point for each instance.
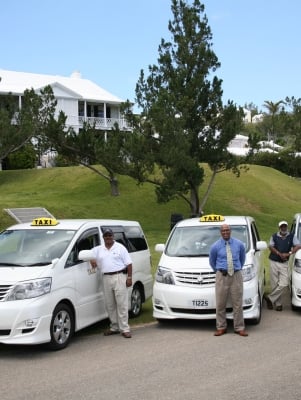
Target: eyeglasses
{"type": "Point", "coordinates": [225, 230]}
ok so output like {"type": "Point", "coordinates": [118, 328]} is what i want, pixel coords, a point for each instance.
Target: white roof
{"type": "Point", "coordinates": [18, 82]}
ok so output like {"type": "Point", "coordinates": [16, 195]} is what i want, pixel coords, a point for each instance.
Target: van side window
{"type": "Point", "coordinates": [135, 238]}
{"type": "Point", "coordinates": [131, 237]}
{"type": "Point", "coordinates": [120, 238]}
{"type": "Point", "coordinates": [87, 241]}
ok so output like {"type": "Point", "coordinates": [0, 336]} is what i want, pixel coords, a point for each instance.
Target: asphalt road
{"type": "Point", "coordinates": [179, 360]}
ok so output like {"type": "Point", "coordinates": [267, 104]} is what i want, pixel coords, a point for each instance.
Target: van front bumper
{"type": "Point", "coordinates": [24, 324]}
{"type": "Point", "coordinates": [178, 302]}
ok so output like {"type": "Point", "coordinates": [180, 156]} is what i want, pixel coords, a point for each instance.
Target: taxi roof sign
{"type": "Point", "coordinates": [44, 222]}
{"type": "Point", "coordinates": [212, 218]}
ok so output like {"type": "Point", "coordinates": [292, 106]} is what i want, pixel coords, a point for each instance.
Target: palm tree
{"type": "Point", "coordinates": [273, 110]}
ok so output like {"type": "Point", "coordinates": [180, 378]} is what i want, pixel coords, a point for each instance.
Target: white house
{"type": "Point", "coordinates": [80, 99]}
{"type": "Point", "coordinates": [239, 145]}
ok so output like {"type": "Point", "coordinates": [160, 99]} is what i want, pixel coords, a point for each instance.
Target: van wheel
{"type": "Point", "coordinates": [136, 302]}
{"type": "Point", "coordinates": [61, 327]}
{"type": "Point", "coordinates": [256, 321]}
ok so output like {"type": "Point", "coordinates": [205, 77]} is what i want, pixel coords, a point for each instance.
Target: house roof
{"type": "Point", "coordinates": [18, 82]}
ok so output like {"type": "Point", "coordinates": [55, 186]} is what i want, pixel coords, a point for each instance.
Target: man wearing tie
{"type": "Point", "coordinates": [227, 257]}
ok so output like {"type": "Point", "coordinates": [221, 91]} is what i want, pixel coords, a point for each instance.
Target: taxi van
{"type": "Point", "coordinates": [47, 293]}
{"type": "Point", "coordinates": [295, 266]}
{"type": "Point", "coordinates": [184, 284]}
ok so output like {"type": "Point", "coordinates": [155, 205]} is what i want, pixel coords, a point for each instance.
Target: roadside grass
{"type": "Point", "coordinates": [76, 192]}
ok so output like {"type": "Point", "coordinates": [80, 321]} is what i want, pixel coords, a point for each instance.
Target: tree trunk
{"type": "Point", "coordinates": [114, 186]}
{"type": "Point", "coordinates": [195, 202]}
{"type": "Point", "coordinates": [209, 188]}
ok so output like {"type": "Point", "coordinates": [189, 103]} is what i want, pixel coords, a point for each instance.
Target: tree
{"type": "Point", "coordinates": [91, 146]}
{"type": "Point", "coordinates": [12, 137]}
{"type": "Point", "coordinates": [272, 121]}
{"type": "Point", "coordinates": [25, 158]}
{"type": "Point", "coordinates": [293, 128]}
{"type": "Point", "coordinates": [29, 124]}
{"type": "Point", "coordinates": [183, 121]}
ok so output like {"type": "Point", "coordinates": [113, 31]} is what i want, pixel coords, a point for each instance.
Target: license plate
{"type": "Point", "coordinates": [199, 303]}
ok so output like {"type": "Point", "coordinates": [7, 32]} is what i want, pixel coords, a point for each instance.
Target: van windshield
{"type": "Point", "coordinates": [195, 241]}
{"type": "Point", "coordinates": [33, 247]}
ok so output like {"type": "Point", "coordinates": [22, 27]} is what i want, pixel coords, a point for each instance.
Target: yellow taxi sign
{"type": "Point", "coordinates": [44, 222]}
{"type": "Point", "coordinates": [212, 218]}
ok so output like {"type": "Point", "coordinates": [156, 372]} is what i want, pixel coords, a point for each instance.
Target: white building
{"type": "Point", "coordinates": [239, 145]}
{"type": "Point", "coordinates": [80, 99]}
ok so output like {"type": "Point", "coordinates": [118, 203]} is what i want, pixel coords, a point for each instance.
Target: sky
{"type": "Point", "coordinates": [109, 42]}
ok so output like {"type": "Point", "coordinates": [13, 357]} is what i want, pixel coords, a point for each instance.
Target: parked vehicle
{"type": "Point", "coordinates": [295, 266]}
{"type": "Point", "coordinates": [47, 293]}
{"type": "Point", "coordinates": [185, 283]}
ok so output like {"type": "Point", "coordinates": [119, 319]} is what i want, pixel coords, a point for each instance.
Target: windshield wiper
{"type": "Point", "coordinates": [39, 264]}
{"type": "Point", "coordinates": [7, 264]}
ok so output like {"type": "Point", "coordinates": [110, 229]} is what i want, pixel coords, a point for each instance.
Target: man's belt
{"type": "Point", "coordinates": [123, 271]}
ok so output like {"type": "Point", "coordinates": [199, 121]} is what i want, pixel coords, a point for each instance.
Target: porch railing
{"type": "Point", "coordinates": [104, 123]}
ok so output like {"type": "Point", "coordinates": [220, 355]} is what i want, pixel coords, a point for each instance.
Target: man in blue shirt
{"type": "Point", "coordinates": [227, 257]}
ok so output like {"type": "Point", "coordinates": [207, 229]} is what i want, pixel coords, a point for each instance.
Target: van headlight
{"type": "Point", "coordinates": [30, 289]}
{"type": "Point", "coordinates": [164, 275]}
{"type": "Point", "coordinates": [297, 265]}
{"type": "Point", "coordinates": [248, 272]}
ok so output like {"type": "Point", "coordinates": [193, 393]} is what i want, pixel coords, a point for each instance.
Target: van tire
{"type": "Point", "coordinates": [136, 301]}
{"type": "Point", "coordinates": [61, 327]}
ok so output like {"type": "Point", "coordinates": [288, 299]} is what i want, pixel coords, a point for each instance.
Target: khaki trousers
{"type": "Point", "coordinates": [232, 286]}
{"type": "Point", "coordinates": [116, 301]}
{"type": "Point", "coordinates": [278, 280]}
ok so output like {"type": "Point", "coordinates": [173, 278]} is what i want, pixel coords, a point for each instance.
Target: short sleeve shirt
{"type": "Point", "coordinates": [114, 259]}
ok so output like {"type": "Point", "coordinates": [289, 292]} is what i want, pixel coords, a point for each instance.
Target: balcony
{"type": "Point", "coordinates": [105, 123]}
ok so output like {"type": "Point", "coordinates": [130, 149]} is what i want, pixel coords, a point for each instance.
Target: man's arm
{"type": "Point", "coordinates": [129, 268]}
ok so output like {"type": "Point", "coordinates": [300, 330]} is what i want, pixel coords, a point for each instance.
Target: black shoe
{"type": "Point", "coordinates": [278, 308]}
{"type": "Point", "coordinates": [127, 335]}
{"type": "Point", "coordinates": [109, 332]}
{"type": "Point", "coordinates": [268, 301]}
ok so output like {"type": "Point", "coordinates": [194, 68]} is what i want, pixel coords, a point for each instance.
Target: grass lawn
{"type": "Point", "coordinates": [76, 192]}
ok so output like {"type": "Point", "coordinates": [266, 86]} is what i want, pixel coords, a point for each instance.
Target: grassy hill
{"type": "Point", "coordinates": [76, 192]}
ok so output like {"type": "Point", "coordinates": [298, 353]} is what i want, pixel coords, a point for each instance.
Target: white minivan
{"type": "Point", "coordinates": [295, 266]}
{"type": "Point", "coordinates": [47, 293]}
{"type": "Point", "coordinates": [185, 283]}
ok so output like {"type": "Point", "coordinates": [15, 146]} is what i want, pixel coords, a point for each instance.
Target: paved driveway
{"type": "Point", "coordinates": [180, 360]}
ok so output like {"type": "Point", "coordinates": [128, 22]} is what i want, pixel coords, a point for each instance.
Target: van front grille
{"type": "Point", "coordinates": [4, 332]}
{"type": "Point", "coordinates": [195, 278]}
{"type": "Point", "coordinates": [4, 289]}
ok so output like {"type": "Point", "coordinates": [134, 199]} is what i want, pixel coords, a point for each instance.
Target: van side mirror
{"type": "Point", "coordinates": [160, 247]}
{"type": "Point", "coordinates": [86, 255]}
{"type": "Point", "coordinates": [261, 245]}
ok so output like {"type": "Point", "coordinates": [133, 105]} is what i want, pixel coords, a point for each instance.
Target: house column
{"type": "Point", "coordinates": [85, 110]}
{"type": "Point", "coordinates": [105, 113]}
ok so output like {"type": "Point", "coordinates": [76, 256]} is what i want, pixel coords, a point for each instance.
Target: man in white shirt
{"type": "Point", "coordinates": [116, 266]}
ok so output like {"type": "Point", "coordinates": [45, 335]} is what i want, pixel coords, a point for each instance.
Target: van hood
{"type": "Point", "coordinates": [188, 263]}
{"type": "Point", "coordinates": [12, 275]}
{"type": "Point", "coordinates": [185, 263]}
